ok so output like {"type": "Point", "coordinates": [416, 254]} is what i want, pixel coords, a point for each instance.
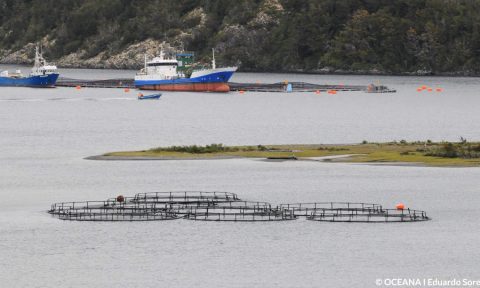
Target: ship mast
{"type": "Point", "coordinates": [145, 62]}
{"type": "Point", "coordinates": [39, 60]}
{"type": "Point", "coordinates": [37, 57]}
{"type": "Point", "coordinates": [214, 66]}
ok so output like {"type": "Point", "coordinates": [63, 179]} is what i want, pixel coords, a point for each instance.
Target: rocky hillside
{"type": "Point", "coordinates": [323, 36]}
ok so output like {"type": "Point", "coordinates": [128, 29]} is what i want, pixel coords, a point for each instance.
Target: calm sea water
{"type": "Point", "coordinates": [45, 133]}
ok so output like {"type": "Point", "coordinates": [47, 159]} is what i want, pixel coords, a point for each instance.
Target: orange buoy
{"type": "Point", "coordinates": [241, 91]}
{"type": "Point", "coordinates": [317, 92]}
{"type": "Point", "coordinates": [419, 89]}
{"type": "Point", "coordinates": [439, 90]}
{"type": "Point", "coordinates": [120, 198]}
{"type": "Point", "coordinates": [424, 87]}
{"type": "Point", "coordinates": [429, 89]}
{"type": "Point", "coordinates": [78, 87]}
{"type": "Point", "coordinates": [400, 206]}
{"type": "Point", "coordinates": [126, 90]}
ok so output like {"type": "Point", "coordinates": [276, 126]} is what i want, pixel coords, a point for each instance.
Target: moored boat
{"type": "Point", "coordinates": [149, 97]}
{"type": "Point", "coordinates": [178, 74]}
{"type": "Point", "coordinates": [42, 74]}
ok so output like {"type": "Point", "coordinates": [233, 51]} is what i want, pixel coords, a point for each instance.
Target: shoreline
{"type": "Point", "coordinates": [341, 159]}
{"type": "Point", "coordinates": [158, 158]}
{"type": "Point", "coordinates": [418, 154]}
{"type": "Point", "coordinates": [457, 74]}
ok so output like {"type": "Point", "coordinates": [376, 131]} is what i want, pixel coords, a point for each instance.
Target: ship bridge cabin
{"type": "Point", "coordinates": [161, 66]}
{"type": "Point", "coordinates": [44, 70]}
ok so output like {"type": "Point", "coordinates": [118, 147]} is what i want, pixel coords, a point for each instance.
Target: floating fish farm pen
{"type": "Point", "coordinates": [225, 206]}
{"type": "Point", "coordinates": [111, 210]}
{"type": "Point", "coordinates": [307, 209]}
{"type": "Point", "coordinates": [240, 211]}
{"type": "Point", "coordinates": [353, 212]}
{"type": "Point", "coordinates": [107, 83]}
{"type": "Point", "coordinates": [187, 197]}
{"type": "Point", "coordinates": [183, 203]}
{"type": "Point", "coordinates": [368, 216]}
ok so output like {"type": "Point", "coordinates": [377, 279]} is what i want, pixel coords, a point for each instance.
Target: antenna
{"type": "Point", "coordinates": [37, 57]}
{"type": "Point", "coordinates": [214, 66]}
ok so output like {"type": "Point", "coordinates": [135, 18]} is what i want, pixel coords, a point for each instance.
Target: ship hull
{"type": "Point", "coordinates": [205, 82]}
{"type": "Point", "coordinates": [41, 81]}
{"type": "Point", "coordinates": [196, 87]}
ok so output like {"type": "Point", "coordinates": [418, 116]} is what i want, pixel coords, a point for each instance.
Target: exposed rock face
{"type": "Point", "coordinates": [22, 56]}
{"type": "Point", "coordinates": [272, 5]}
{"type": "Point", "coordinates": [130, 58]}
{"type": "Point", "coordinates": [267, 15]}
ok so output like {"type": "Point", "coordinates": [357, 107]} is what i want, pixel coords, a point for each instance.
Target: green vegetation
{"type": "Point", "coordinates": [455, 150]}
{"type": "Point", "coordinates": [404, 36]}
{"type": "Point", "coordinates": [416, 153]}
{"type": "Point", "coordinates": [194, 149]}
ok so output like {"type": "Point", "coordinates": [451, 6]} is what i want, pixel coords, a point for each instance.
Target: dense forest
{"type": "Point", "coordinates": [363, 36]}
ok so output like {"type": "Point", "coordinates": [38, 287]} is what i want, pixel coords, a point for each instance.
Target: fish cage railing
{"type": "Point", "coordinates": [126, 203]}
{"type": "Point", "coordinates": [237, 205]}
{"type": "Point", "coordinates": [125, 212]}
{"type": "Point", "coordinates": [222, 204]}
{"type": "Point", "coordinates": [245, 204]}
{"type": "Point", "coordinates": [387, 215]}
{"type": "Point", "coordinates": [185, 196]}
{"type": "Point", "coordinates": [306, 209]}
{"type": "Point", "coordinates": [242, 214]}
{"type": "Point", "coordinates": [240, 211]}
{"type": "Point", "coordinates": [117, 215]}
{"type": "Point", "coordinates": [162, 203]}
{"type": "Point", "coordinates": [132, 205]}
{"type": "Point", "coordinates": [62, 206]}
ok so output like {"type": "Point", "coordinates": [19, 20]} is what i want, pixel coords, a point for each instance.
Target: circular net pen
{"type": "Point", "coordinates": [182, 203]}
{"type": "Point", "coordinates": [111, 210]}
{"type": "Point", "coordinates": [368, 216]}
{"type": "Point", "coordinates": [307, 209]}
{"type": "Point", "coordinates": [239, 211]}
{"type": "Point", "coordinates": [353, 212]}
{"type": "Point", "coordinates": [185, 198]}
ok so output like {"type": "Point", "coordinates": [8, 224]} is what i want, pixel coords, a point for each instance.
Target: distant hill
{"type": "Point", "coordinates": [349, 36]}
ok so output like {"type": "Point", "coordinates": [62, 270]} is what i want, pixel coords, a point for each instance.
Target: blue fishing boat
{"type": "Point", "coordinates": [42, 75]}
{"type": "Point", "coordinates": [149, 97]}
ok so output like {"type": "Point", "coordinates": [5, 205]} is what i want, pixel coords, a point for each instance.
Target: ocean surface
{"type": "Point", "coordinates": [46, 133]}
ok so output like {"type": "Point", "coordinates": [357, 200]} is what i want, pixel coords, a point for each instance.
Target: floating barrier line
{"type": "Point", "coordinates": [127, 83]}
